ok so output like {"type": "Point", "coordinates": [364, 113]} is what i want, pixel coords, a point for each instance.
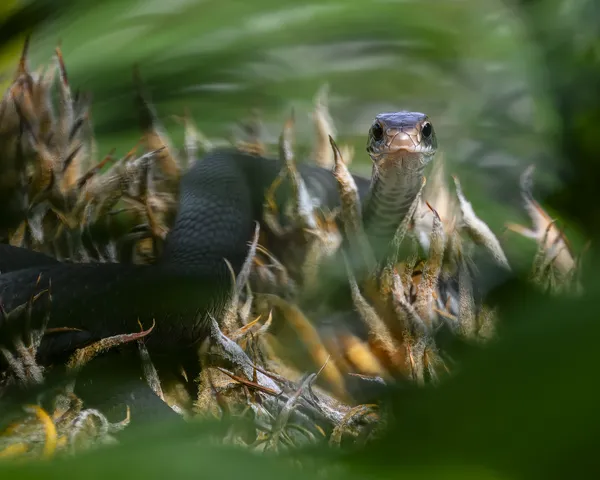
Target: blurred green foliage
{"type": "Point", "coordinates": [524, 408]}
{"type": "Point", "coordinates": [468, 64]}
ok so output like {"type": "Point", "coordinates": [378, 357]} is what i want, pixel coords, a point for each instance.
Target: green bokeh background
{"type": "Point", "coordinates": [468, 64]}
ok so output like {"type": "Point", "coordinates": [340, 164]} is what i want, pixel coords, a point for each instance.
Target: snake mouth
{"type": "Point", "coordinates": [403, 141]}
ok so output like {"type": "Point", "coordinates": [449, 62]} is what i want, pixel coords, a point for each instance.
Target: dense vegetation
{"type": "Point", "coordinates": [508, 87]}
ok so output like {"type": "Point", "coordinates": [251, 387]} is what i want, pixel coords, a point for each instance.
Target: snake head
{"type": "Point", "coordinates": [402, 133]}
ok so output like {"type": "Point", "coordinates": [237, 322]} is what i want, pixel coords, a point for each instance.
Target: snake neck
{"type": "Point", "coordinates": [395, 183]}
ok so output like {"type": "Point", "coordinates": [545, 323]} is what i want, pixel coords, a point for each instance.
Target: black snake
{"type": "Point", "coordinates": [221, 198]}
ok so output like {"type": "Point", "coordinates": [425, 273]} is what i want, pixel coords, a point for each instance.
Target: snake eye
{"type": "Point", "coordinates": [377, 131]}
{"type": "Point", "coordinates": [427, 130]}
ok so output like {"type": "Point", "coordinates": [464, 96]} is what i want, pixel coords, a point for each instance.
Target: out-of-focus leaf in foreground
{"type": "Point", "coordinates": [18, 19]}
{"type": "Point", "coordinates": [525, 406]}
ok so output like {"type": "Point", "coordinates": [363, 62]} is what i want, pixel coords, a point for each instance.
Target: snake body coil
{"type": "Point", "coordinates": [221, 198]}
